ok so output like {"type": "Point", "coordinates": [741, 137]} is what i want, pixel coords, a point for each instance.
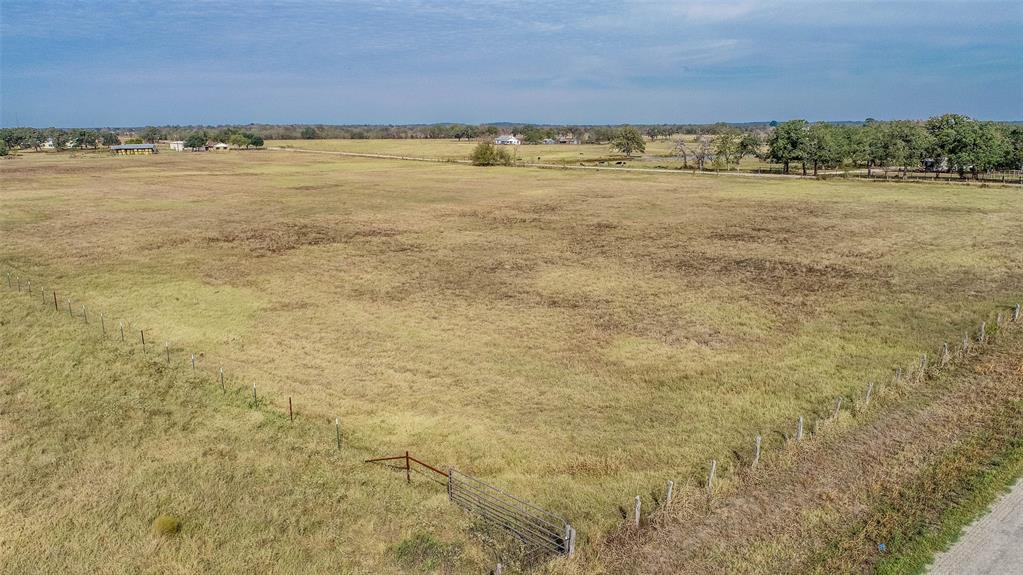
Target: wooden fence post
{"type": "Point", "coordinates": [222, 388]}
{"type": "Point", "coordinates": [756, 453]}
{"type": "Point", "coordinates": [710, 477]}
{"type": "Point", "coordinates": [1015, 313]}
{"type": "Point", "coordinates": [193, 362]}
{"type": "Point", "coordinates": [408, 468]}
{"type": "Point", "coordinates": [69, 312]}
{"type": "Point", "coordinates": [143, 334]}
{"type": "Point", "coordinates": [166, 348]}
{"type": "Point", "coordinates": [254, 400]}
{"type": "Point", "coordinates": [291, 412]}
{"type": "Point", "coordinates": [669, 493]}
{"type": "Point", "coordinates": [85, 314]}
{"type": "Point", "coordinates": [799, 428]}
{"type": "Point", "coordinates": [55, 308]}
{"type": "Point", "coordinates": [983, 332]}
{"type": "Point", "coordinates": [337, 430]}
{"type": "Point", "coordinates": [121, 323]}
{"type": "Point", "coordinates": [102, 324]}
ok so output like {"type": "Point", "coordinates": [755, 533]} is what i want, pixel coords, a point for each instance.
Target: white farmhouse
{"type": "Point", "coordinates": [507, 140]}
{"type": "Point", "coordinates": [178, 146]}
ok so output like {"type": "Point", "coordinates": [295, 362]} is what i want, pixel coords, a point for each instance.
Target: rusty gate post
{"type": "Point", "coordinates": [408, 469]}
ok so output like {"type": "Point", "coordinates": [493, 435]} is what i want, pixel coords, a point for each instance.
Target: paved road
{"type": "Point", "coordinates": [993, 545]}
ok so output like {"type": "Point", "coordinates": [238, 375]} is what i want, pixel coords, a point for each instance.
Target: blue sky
{"type": "Point", "coordinates": [184, 62]}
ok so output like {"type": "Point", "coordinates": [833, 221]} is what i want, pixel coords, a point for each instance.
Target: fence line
{"type": "Point", "coordinates": [523, 520]}
{"type": "Point", "coordinates": [512, 515]}
{"type": "Point", "coordinates": [918, 371]}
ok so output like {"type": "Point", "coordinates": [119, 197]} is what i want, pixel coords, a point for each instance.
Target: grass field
{"type": "Point", "coordinates": [577, 338]}
{"type": "Point", "coordinates": [659, 153]}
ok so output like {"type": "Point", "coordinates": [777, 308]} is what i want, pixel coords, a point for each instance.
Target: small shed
{"type": "Point", "coordinates": [134, 149]}
{"type": "Point", "coordinates": [178, 146]}
{"type": "Point", "coordinates": [220, 146]}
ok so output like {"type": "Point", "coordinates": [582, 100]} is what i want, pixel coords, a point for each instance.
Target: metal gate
{"type": "Point", "coordinates": [534, 527]}
{"type": "Point", "coordinates": [538, 530]}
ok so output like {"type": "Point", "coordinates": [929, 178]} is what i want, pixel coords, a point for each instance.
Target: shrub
{"type": "Point", "coordinates": [487, 154]}
{"type": "Point", "coordinates": [166, 525]}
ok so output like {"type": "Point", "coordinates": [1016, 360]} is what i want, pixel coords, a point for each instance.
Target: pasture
{"type": "Point", "coordinates": [659, 153]}
{"type": "Point", "coordinates": [575, 338]}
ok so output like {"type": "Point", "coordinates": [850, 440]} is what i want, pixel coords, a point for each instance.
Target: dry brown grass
{"type": "Point", "coordinates": [825, 505]}
{"type": "Point", "coordinates": [575, 338]}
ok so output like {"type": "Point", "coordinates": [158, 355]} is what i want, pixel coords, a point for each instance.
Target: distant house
{"type": "Point", "coordinates": [178, 146]}
{"type": "Point", "coordinates": [935, 164]}
{"type": "Point", "coordinates": [47, 145]}
{"type": "Point", "coordinates": [568, 139]}
{"type": "Point", "coordinates": [549, 141]}
{"type": "Point", "coordinates": [507, 140]}
{"type": "Point", "coordinates": [134, 149]}
{"type": "Point", "coordinates": [219, 146]}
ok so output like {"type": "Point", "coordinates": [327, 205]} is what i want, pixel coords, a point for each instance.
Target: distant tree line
{"type": "Point", "coordinates": [947, 143]}
{"type": "Point", "coordinates": [34, 138]}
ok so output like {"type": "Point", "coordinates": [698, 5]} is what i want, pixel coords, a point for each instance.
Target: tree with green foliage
{"type": "Point", "coordinates": [965, 144]}
{"type": "Point", "coordinates": [255, 141]}
{"type": "Point", "coordinates": [784, 143]}
{"type": "Point", "coordinates": [1013, 157]}
{"type": "Point", "coordinates": [628, 140]}
{"type": "Point", "coordinates": [238, 141]}
{"type": "Point", "coordinates": [108, 138]}
{"type": "Point", "coordinates": [487, 154]}
{"type": "Point", "coordinates": [309, 133]}
{"type": "Point", "coordinates": [3, 148]}
{"type": "Point", "coordinates": [151, 134]}
{"type": "Point", "coordinates": [726, 148]}
{"type": "Point", "coordinates": [58, 137]}
{"type": "Point", "coordinates": [907, 143]}
{"type": "Point", "coordinates": [83, 139]}
{"type": "Point", "coordinates": [819, 146]}
{"type": "Point", "coordinates": [195, 140]}
{"type": "Point", "coordinates": [749, 145]}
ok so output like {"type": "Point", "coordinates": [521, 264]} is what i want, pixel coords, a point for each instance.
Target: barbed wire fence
{"type": "Point", "coordinates": [118, 328]}
{"type": "Point", "coordinates": [917, 371]}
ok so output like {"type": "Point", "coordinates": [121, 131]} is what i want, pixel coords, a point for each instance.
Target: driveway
{"type": "Point", "coordinates": [991, 545]}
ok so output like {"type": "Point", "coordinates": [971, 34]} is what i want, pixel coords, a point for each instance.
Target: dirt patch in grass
{"type": "Point", "coordinates": [278, 238]}
{"type": "Point", "coordinates": [272, 238]}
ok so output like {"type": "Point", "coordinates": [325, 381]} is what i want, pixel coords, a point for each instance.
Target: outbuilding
{"type": "Point", "coordinates": [134, 149]}
{"type": "Point", "coordinates": [178, 146]}
{"type": "Point", "coordinates": [507, 140]}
